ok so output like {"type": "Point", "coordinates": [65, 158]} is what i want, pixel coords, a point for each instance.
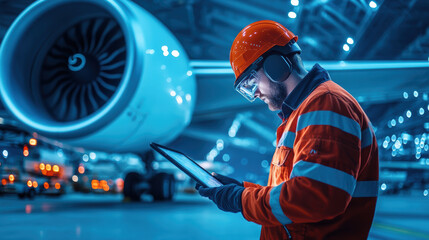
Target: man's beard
{"type": "Point", "coordinates": [278, 95]}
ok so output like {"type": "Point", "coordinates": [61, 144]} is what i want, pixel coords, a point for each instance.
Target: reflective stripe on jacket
{"type": "Point", "coordinates": [323, 181]}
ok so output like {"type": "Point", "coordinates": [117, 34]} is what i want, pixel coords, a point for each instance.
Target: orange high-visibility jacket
{"type": "Point", "coordinates": [323, 181]}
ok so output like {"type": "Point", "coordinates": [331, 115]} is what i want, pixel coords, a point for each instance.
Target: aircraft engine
{"type": "Point", "coordinates": [105, 75]}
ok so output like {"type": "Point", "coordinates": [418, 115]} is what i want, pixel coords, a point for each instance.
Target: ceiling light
{"type": "Point", "coordinates": [292, 14]}
{"type": "Point", "coordinates": [372, 4]}
{"type": "Point", "coordinates": [346, 47]}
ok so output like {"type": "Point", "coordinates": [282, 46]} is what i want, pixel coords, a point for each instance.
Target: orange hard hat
{"type": "Point", "coordinates": [254, 40]}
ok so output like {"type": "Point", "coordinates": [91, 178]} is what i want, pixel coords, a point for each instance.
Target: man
{"type": "Point", "coordinates": [323, 181]}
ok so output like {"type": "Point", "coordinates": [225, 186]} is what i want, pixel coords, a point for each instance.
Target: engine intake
{"type": "Point", "coordinates": [87, 71]}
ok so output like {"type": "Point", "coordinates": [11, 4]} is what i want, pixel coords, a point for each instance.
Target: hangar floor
{"type": "Point", "coordinates": [88, 216]}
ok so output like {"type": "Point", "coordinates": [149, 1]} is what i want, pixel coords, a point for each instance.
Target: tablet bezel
{"type": "Point", "coordinates": [158, 147]}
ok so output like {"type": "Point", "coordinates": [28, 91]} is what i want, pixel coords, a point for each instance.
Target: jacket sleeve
{"type": "Point", "coordinates": [323, 178]}
{"type": "Point", "coordinates": [252, 185]}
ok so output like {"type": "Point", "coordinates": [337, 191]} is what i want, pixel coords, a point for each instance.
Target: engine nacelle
{"type": "Point", "coordinates": [104, 75]}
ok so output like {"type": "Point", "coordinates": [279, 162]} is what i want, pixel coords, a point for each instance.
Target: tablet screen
{"type": "Point", "coordinates": [192, 167]}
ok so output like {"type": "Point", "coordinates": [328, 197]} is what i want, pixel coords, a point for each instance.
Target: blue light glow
{"type": "Point", "coordinates": [421, 111]}
{"type": "Point", "coordinates": [398, 144]}
{"type": "Point", "coordinates": [212, 155]}
{"type": "Point", "coordinates": [416, 140]}
{"type": "Point", "coordinates": [219, 144]}
{"type": "Point", "coordinates": [294, 2]}
{"type": "Point", "coordinates": [405, 95]}
{"type": "Point", "coordinates": [179, 99]}
{"type": "Point", "coordinates": [416, 94]}
{"type": "Point", "coordinates": [175, 53]}
{"type": "Point", "coordinates": [406, 137]}
{"type": "Point", "coordinates": [234, 128]}
{"type": "Point", "coordinates": [150, 51]}
{"type": "Point", "coordinates": [418, 155]}
{"type": "Point", "coordinates": [350, 40]}
{"type": "Point", "coordinates": [291, 15]}
{"type": "Point", "coordinates": [264, 163]}
{"type": "Point", "coordinates": [188, 97]}
{"type": "Point", "coordinates": [409, 114]}
{"type": "Point", "coordinates": [401, 119]}
{"type": "Point", "coordinates": [372, 4]}
{"type": "Point", "coordinates": [346, 47]}
{"type": "Point", "coordinates": [385, 144]}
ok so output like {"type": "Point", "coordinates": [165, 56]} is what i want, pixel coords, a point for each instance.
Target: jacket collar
{"type": "Point", "coordinates": [311, 81]}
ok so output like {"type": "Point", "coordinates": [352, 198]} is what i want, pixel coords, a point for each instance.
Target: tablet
{"type": "Point", "coordinates": [187, 165]}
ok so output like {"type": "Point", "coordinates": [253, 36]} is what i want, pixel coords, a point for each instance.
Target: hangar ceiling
{"type": "Point", "coordinates": [393, 30]}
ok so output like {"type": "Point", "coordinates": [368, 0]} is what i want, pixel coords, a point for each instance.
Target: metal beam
{"type": "Point", "coordinates": [251, 9]}
{"type": "Point", "coordinates": [251, 144]}
{"type": "Point", "coordinates": [367, 81]}
{"type": "Point", "coordinates": [262, 131]}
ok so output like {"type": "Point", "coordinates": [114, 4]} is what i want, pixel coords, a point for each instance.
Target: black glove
{"type": "Point", "coordinates": [226, 180]}
{"type": "Point", "coordinates": [226, 197]}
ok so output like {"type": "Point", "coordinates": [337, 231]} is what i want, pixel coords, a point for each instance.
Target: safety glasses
{"type": "Point", "coordinates": [249, 85]}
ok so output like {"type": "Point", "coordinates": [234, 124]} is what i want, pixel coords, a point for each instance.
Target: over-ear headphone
{"type": "Point", "coordinates": [277, 66]}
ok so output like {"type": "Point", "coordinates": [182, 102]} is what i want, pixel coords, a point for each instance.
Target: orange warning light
{"type": "Point", "coordinates": [33, 142]}
{"type": "Point", "coordinates": [94, 184]}
{"type": "Point", "coordinates": [25, 151]}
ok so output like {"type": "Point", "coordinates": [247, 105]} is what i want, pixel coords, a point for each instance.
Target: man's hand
{"type": "Point", "coordinates": [227, 197]}
{"type": "Point", "coordinates": [226, 180]}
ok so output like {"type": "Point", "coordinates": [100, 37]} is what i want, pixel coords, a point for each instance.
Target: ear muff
{"type": "Point", "coordinates": [277, 67]}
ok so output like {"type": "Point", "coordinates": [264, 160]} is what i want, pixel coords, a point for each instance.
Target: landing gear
{"type": "Point", "coordinates": [162, 187]}
{"type": "Point", "coordinates": [30, 193]}
{"type": "Point", "coordinates": [158, 184]}
{"type": "Point", "coordinates": [131, 183]}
